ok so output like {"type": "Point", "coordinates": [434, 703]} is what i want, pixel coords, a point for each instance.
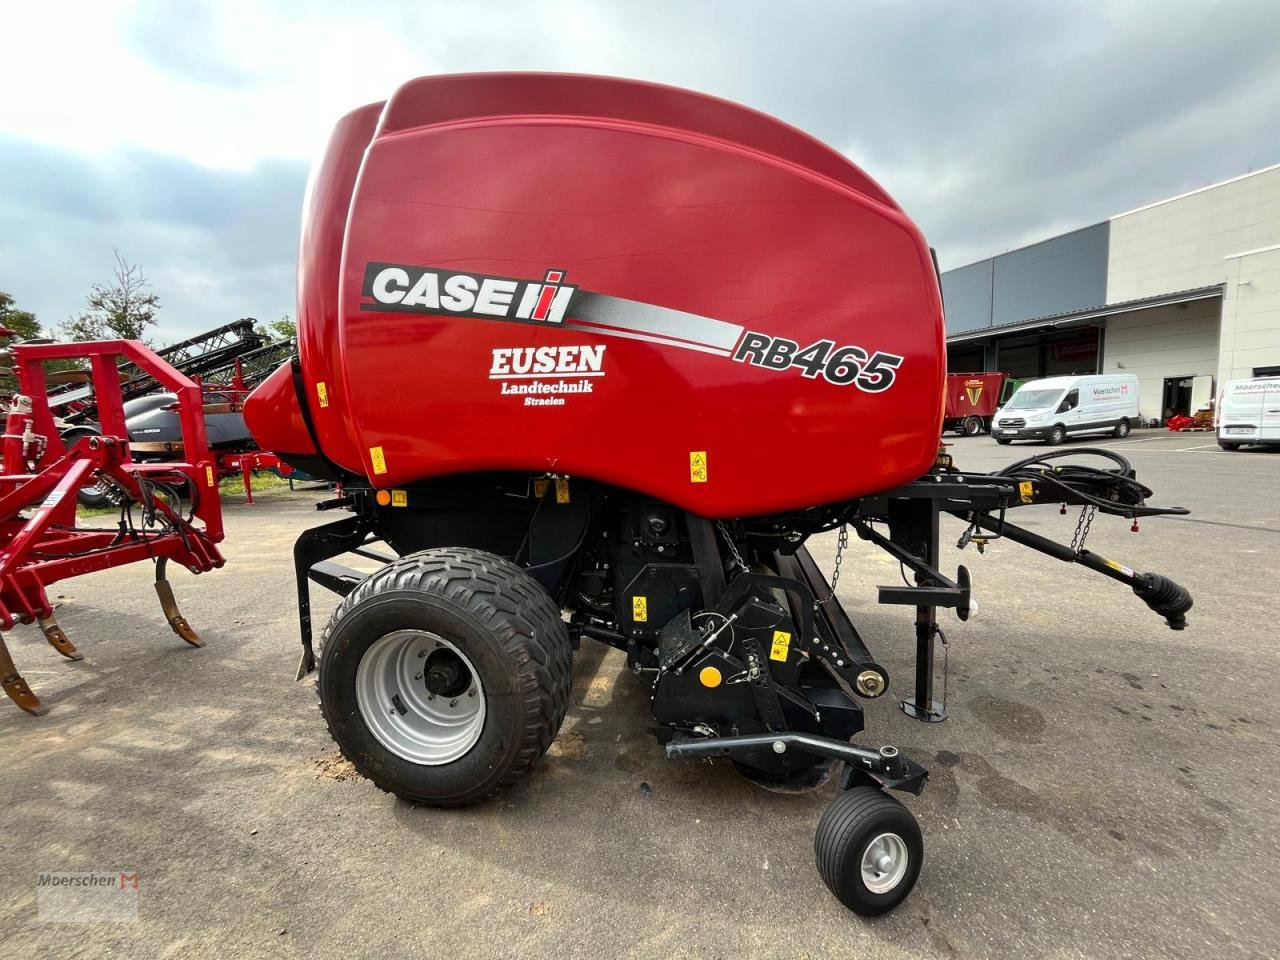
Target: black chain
{"type": "Point", "coordinates": [1082, 527]}
{"type": "Point", "coordinates": [733, 549]}
{"type": "Point", "coordinates": [841, 543]}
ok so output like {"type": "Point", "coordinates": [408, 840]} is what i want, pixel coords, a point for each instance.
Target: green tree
{"type": "Point", "coordinates": [21, 322]}
{"type": "Point", "coordinates": [26, 326]}
{"type": "Point", "coordinates": [284, 328]}
{"type": "Point", "coordinates": [122, 309]}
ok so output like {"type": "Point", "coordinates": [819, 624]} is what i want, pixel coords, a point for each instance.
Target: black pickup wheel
{"type": "Point", "coordinates": [445, 675]}
{"type": "Point", "coordinates": [797, 781]}
{"type": "Point", "coordinates": [869, 850]}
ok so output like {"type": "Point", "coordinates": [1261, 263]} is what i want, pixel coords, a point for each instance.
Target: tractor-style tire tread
{"type": "Point", "coordinates": [514, 608]}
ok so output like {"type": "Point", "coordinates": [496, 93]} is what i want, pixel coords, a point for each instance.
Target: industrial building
{"type": "Point", "coordinates": [1184, 293]}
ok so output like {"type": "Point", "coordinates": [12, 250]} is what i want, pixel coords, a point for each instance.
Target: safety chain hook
{"type": "Point", "coordinates": [841, 543]}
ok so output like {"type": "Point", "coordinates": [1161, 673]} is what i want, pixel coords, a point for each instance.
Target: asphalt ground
{"type": "Point", "coordinates": [1103, 786]}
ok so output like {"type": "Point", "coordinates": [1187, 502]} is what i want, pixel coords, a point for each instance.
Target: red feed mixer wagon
{"type": "Point", "coordinates": [594, 359]}
{"type": "Point", "coordinates": [972, 400]}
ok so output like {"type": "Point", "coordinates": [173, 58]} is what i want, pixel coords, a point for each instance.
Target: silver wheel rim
{"type": "Point", "coordinates": [884, 863]}
{"type": "Point", "coordinates": [402, 714]}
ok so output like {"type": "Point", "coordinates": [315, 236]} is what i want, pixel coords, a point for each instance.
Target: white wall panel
{"type": "Point", "coordinates": [1182, 243]}
{"type": "Point", "coordinates": [1250, 315]}
{"type": "Point", "coordinates": [1176, 341]}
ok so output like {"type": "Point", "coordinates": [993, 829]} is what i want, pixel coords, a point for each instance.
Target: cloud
{"type": "Point", "coordinates": [197, 50]}
{"type": "Point", "coordinates": [216, 244]}
{"type": "Point", "coordinates": [180, 132]}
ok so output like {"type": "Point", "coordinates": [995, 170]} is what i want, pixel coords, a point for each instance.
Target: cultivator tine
{"type": "Point", "coordinates": [16, 687]}
{"type": "Point", "coordinates": [169, 604]}
{"type": "Point", "coordinates": [58, 639]}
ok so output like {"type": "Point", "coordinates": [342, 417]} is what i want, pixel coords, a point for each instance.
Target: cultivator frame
{"type": "Point", "coordinates": [41, 541]}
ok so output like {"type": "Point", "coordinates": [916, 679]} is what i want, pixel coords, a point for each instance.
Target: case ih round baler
{"type": "Point", "coordinates": [595, 358]}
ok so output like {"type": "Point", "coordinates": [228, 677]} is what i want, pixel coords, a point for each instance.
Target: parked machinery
{"type": "Point", "coordinates": [226, 362]}
{"type": "Point", "coordinates": [168, 511]}
{"type": "Point", "coordinates": [595, 359]}
{"type": "Point", "coordinates": [972, 400]}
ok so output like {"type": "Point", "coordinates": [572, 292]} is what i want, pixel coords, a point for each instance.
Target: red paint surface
{"type": "Point", "coordinates": [640, 192]}
{"type": "Point", "coordinates": [958, 402]}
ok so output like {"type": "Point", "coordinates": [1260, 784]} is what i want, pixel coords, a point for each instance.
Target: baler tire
{"type": "Point", "coordinates": [854, 819]}
{"type": "Point", "coordinates": [502, 621]}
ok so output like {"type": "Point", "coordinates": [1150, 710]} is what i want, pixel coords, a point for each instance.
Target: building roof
{"type": "Point", "coordinates": [1191, 193]}
{"type": "Point", "coordinates": [1090, 313]}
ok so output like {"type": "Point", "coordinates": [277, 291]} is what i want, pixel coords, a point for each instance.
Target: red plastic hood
{"type": "Point", "coordinates": [616, 280]}
{"type": "Point", "coordinates": [273, 415]}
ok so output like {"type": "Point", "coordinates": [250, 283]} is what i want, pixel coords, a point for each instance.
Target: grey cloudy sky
{"type": "Point", "coordinates": [181, 132]}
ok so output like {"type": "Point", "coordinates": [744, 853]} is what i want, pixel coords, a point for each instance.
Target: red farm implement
{"type": "Point", "coordinates": [169, 511]}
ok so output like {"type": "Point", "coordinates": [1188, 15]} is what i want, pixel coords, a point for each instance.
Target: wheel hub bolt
{"type": "Point", "coordinates": [453, 703]}
{"type": "Point", "coordinates": [884, 864]}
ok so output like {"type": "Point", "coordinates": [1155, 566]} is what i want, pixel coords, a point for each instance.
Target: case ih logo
{"type": "Point", "coordinates": [399, 288]}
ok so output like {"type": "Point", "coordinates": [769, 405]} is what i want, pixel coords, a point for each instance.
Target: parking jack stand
{"type": "Point", "coordinates": [922, 705]}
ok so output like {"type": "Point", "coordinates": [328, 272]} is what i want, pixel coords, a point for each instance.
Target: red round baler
{"type": "Point", "coordinates": [594, 358]}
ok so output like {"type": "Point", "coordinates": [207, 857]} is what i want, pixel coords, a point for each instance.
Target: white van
{"type": "Point", "coordinates": [1053, 408]}
{"type": "Point", "coordinates": [1249, 412]}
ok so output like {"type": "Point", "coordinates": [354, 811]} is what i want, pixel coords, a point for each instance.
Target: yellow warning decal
{"type": "Point", "coordinates": [1118, 567]}
{"type": "Point", "coordinates": [562, 490]}
{"type": "Point", "coordinates": [540, 487]}
{"type": "Point", "coordinates": [208, 477]}
{"type": "Point", "coordinates": [399, 498]}
{"type": "Point", "coordinates": [698, 466]}
{"type": "Point", "coordinates": [1026, 491]}
{"type": "Point", "coordinates": [379, 459]}
{"type": "Point", "coordinates": [322, 392]}
{"type": "Point", "coordinates": [640, 609]}
{"type": "Point", "coordinates": [781, 645]}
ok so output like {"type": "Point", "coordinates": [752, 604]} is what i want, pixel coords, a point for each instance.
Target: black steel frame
{"type": "Point", "coordinates": [912, 514]}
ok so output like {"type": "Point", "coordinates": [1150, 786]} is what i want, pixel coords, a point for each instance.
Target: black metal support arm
{"type": "Point", "coordinates": [1167, 598]}
{"type": "Point", "coordinates": [886, 765]}
{"type": "Point", "coordinates": [312, 547]}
